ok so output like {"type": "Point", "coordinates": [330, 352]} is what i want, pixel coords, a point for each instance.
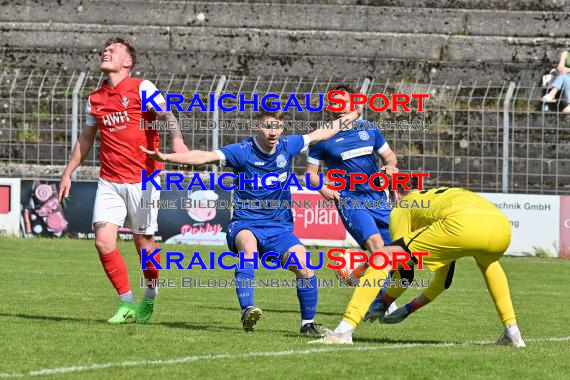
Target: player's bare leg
{"type": "Point", "coordinates": [362, 297]}
{"type": "Point", "coordinates": [116, 270]}
{"type": "Point", "coordinates": [383, 303]}
{"type": "Point", "coordinates": [150, 274]}
{"type": "Point", "coordinates": [498, 287]}
{"type": "Point", "coordinates": [246, 243]}
{"type": "Point", "coordinates": [308, 293]}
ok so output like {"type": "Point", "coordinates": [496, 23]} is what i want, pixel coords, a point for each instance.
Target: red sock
{"type": "Point", "coordinates": [116, 270]}
{"type": "Point", "coordinates": [151, 273]}
{"type": "Point", "coordinates": [414, 305]}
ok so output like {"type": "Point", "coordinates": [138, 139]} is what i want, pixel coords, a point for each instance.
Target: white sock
{"type": "Point", "coordinates": [305, 321]}
{"type": "Point", "coordinates": [344, 327]}
{"type": "Point", "coordinates": [511, 330]}
{"type": "Point", "coordinates": [127, 297]}
{"type": "Point", "coordinates": [150, 293]}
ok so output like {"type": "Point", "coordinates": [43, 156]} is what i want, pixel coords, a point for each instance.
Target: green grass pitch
{"type": "Point", "coordinates": [55, 300]}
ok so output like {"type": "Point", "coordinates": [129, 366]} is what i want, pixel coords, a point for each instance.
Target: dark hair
{"type": "Point", "coordinates": [412, 184]}
{"type": "Point", "coordinates": [344, 87]}
{"type": "Point", "coordinates": [279, 115]}
{"type": "Point", "coordinates": [130, 48]}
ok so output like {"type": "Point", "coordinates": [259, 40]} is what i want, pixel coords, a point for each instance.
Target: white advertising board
{"type": "Point", "coordinates": [534, 219]}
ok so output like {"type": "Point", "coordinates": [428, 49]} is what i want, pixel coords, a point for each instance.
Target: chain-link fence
{"type": "Point", "coordinates": [459, 138]}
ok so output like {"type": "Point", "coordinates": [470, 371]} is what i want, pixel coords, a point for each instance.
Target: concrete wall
{"type": "Point", "coordinates": [433, 40]}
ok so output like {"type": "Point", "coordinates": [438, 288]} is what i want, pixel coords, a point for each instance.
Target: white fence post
{"type": "Point", "coordinates": [506, 123]}
{"type": "Point", "coordinates": [216, 117]}
{"type": "Point", "coordinates": [75, 113]}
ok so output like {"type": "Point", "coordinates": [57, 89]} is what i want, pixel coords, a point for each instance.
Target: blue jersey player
{"type": "Point", "coordinates": [264, 230]}
{"type": "Point", "coordinates": [356, 150]}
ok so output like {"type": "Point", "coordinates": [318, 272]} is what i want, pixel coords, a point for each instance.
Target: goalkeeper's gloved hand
{"type": "Point", "coordinates": [398, 315]}
{"type": "Point", "coordinates": [376, 311]}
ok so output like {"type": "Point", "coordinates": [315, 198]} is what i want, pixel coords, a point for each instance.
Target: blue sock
{"type": "Point", "coordinates": [308, 297]}
{"type": "Point", "coordinates": [245, 293]}
{"type": "Point", "coordinates": [385, 287]}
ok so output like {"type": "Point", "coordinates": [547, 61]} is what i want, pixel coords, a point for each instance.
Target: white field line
{"type": "Point", "coordinates": [198, 358]}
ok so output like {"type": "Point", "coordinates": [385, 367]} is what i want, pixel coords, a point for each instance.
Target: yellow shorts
{"type": "Point", "coordinates": [484, 235]}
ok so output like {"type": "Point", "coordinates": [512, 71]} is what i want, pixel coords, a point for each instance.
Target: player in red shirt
{"type": "Point", "coordinates": [115, 110]}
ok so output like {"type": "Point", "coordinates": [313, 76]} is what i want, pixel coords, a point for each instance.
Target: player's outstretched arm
{"type": "Point", "coordinates": [80, 151]}
{"type": "Point", "coordinates": [337, 125]}
{"type": "Point", "coordinates": [194, 157]}
{"type": "Point", "coordinates": [176, 140]}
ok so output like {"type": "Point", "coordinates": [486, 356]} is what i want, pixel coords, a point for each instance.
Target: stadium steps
{"type": "Point", "coordinates": [308, 67]}
{"type": "Point", "coordinates": [287, 16]}
{"type": "Point", "coordinates": [386, 38]}
{"type": "Point", "coordinates": [222, 40]}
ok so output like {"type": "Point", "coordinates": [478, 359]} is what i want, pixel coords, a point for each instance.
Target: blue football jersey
{"type": "Point", "coordinates": [248, 157]}
{"type": "Point", "coordinates": [355, 150]}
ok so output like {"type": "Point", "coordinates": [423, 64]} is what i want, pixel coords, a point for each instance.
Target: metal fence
{"type": "Point", "coordinates": [485, 136]}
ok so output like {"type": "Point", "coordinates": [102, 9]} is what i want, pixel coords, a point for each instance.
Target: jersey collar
{"type": "Point", "coordinates": [263, 150]}
{"type": "Point", "coordinates": [118, 87]}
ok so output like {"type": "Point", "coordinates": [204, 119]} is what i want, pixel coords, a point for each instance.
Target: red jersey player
{"type": "Point", "coordinates": [115, 110]}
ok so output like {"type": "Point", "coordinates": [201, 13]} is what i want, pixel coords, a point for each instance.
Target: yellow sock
{"type": "Point", "coordinates": [499, 290]}
{"type": "Point", "coordinates": [395, 292]}
{"type": "Point", "coordinates": [363, 295]}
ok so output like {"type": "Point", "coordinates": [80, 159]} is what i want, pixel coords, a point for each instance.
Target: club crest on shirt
{"type": "Point", "coordinates": [281, 161]}
{"type": "Point", "coordinates": [125, 101]}
{"type": "Point", "coordinates": [363, 135]}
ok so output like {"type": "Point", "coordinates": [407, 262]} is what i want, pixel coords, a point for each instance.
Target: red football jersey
{"type": "Point", "coordinates": [118, 114]}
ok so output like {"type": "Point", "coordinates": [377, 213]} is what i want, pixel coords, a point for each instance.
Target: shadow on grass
{"type": "Point", "coordinates": [388, 341]}
{"type": "Point", "coordinates": [288, 311]}
{"type": "Point", "coordinates": [416, 342]}
{"type": "Point", "coordinates": [202, 327]}
{"type": "Point", "coordinates": [51, 318]}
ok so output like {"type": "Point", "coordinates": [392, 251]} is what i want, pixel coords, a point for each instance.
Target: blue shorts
{"type": "Point", "coordinates": [271, 236]}
{"type": "Point", "coordinates": [363, 223]}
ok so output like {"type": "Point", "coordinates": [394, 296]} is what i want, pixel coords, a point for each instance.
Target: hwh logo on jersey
{"type": "Point", "coordinates": [115, 118]}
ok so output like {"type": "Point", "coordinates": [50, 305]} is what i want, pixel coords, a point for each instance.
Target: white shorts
{"type": "Point", "coordinates": [120, 204]}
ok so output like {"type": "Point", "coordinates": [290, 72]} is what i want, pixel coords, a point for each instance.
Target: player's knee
{"type": "Point", "coordinates": [247, 254]}
{"type": "Point", "coordinates": [104, 245]}
{"type": "Point", "coordinates": [302, 272]}
{"type": "Point", "coordinates": [143, 241]}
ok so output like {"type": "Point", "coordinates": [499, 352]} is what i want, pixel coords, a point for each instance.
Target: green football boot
{"type": "Point", "coordinates": [146, 309]}
{"type": "Point", "coordinates": [125, 311]}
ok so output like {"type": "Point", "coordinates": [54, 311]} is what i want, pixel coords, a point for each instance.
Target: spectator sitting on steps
{"type": "Point", "coordinates": [561, 82]}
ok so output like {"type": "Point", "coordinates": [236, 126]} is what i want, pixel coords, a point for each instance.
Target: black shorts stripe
{"type": "Point", "coordinates": [450, 274]}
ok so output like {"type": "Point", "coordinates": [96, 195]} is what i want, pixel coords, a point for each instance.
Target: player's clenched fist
{"type": "Point", "coordinates": [390, 169]}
